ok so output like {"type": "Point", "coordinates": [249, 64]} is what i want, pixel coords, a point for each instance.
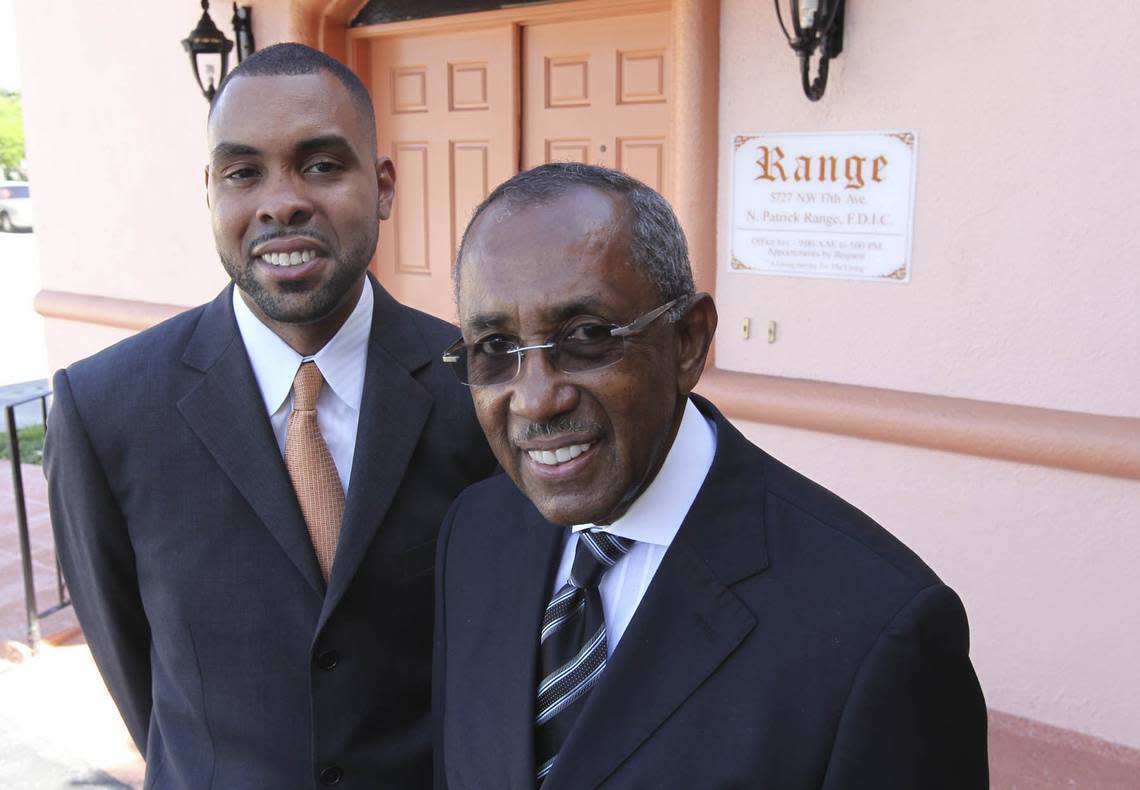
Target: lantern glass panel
{"type": "Point", "coordinates": [210, 69]}
{"type": "Point", "coordinates": [809, 13]}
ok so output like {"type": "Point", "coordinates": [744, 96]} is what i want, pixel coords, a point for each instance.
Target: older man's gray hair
{"type": "Point", "coordinates": [657, 243]}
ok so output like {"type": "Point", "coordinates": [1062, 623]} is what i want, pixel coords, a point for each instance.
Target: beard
{"type": "Point", "coordinates": [301, 302]}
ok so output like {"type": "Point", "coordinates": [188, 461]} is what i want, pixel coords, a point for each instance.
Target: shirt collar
{"type": "Point", "coordinates": [656, 515]}
{"type": "Point", "coordinates": [341, 361]}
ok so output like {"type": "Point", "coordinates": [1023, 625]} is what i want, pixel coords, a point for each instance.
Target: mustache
{"type": "Point", "coordinates": [555, 427]}
{"type": "Point", "coordinates": [312, 235]}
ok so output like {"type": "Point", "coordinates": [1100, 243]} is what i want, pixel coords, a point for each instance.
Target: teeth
{"type": "Point", "coordinates": [289, 258]}
{"type": "Point", "coordinates": [559, 456]}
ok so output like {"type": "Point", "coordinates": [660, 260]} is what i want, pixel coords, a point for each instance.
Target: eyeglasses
{"type": "Point", "coordinates": [581, 344]}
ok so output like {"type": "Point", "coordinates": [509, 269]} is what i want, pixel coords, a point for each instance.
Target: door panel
{"type": "Point", "coordinates": [597, 91]}
{"type": "Point", "coordinates": [447, 114]}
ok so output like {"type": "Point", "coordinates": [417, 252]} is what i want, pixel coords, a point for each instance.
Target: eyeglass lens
{"type": "Point", "coordinates": [576, 351]}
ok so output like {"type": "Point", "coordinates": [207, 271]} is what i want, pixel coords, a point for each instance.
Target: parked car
{"type": "Point", "coordinates": [15, 206]}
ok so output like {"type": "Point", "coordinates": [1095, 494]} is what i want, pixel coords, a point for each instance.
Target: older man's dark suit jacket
{"type": "Point", "coordinates": [786, 642]}
{"type": "Point", "coordinates": [194, 578]}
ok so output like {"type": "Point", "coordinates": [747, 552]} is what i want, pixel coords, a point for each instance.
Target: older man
{"type": "Point", "coordinates": [247, 497]}
{"type": "Point", "coordinates": [645, 599]}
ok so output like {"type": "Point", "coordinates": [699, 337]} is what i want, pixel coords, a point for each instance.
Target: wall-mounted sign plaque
{"type": "Point", "coordinates": [823, 204]}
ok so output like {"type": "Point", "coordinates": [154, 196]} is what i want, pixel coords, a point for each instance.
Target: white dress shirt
{"type": "Point", "coordinates": [341, 362]}
{"type": "Point", "coordinates": [652, 520]}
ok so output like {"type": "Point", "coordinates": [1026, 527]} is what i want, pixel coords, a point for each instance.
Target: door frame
{"type": "Point", "coordinates": [694, 40]}
{"type": "Point", "coordinates": [530, 14]}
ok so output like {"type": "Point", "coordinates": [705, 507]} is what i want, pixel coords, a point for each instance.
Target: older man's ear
{"type": "Point", "coordinates": [386, 186]}
{"type": "Point", "coordinates": [695, 330]}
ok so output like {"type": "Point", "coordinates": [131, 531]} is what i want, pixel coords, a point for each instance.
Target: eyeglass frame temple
{"type": "Point", "coordinates": [640, 324]}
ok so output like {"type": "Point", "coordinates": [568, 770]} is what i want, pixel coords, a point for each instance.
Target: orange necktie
{"type": "Point", "coordinates": [311, 467]}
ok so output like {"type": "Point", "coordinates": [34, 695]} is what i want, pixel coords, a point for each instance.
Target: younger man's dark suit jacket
{"type": "Point", "coordinates": [787, 642]}
{"type": "Point", "coordinates": [194, 577]}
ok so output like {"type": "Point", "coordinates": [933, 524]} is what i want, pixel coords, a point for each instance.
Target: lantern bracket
{"type": "Point", "coordinates": [824, 34]}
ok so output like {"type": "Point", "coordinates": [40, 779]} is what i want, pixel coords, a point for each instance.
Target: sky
{"type": "Point", "coordinates": [9, 58]}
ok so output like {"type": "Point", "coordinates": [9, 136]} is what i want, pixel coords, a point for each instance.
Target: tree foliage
{"type": "Point", "coordinates": [11, 131]}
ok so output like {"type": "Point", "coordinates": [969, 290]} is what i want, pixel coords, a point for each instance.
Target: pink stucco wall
{"type": "Point", "coordinates": [118, 164]}
{"type": "Point", "coordinates": [1024, 273]}
{"type": "Point", "coordinates": [1023, 290]}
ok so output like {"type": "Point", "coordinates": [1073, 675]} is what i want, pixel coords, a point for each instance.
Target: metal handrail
{"type": "Point", "coordinates": [32, 608]}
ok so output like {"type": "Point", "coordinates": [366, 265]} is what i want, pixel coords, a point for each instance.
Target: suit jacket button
{"type": "Point", "coordinates": [331, 775]}
{"type": "Point", "coordinates": [328, 660]}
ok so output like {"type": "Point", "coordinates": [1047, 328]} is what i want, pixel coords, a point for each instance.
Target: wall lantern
{"type": "Point", "coordinates": [817, 24]}
{"type": "Point", "coordinates": [210, 49]}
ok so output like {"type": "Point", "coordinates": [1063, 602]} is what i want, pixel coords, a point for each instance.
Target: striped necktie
{"type": "Point", "coordinates": [572, 646]}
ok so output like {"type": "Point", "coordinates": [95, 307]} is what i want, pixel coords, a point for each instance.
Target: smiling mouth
{"type": "Point", "coordinates": [286, 259]}
{"type": "Point", "coordinates": [558, 456]}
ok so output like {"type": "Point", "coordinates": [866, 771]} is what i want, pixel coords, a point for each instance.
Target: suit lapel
{"type": "Point", "coordinates": [226, 412]}
{"type": "Point", "coordinates": [497, 728]}
{"type": "Point", "coordinates": [687, 624]}
{"type": "Point", "coordinates": [393, 410]}
{"type": "Point", "coordinates": [519, 675]}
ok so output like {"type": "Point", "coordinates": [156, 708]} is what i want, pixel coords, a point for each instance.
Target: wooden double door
{"type": "Point", "coordinates": [463, 110]}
